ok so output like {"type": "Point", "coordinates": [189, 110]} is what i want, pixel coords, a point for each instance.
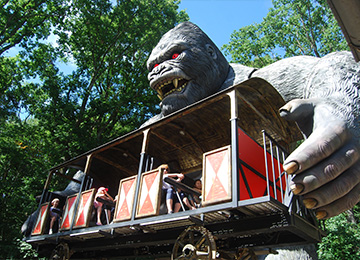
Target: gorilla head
{"type": "Point", "coordinates": [185, 67]}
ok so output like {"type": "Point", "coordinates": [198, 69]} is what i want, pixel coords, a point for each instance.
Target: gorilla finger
{"type": "Point", "coordinates": [326, 171]}
{"type": "Point", "coordinates": [321, 144]}
{"type": "Point", "coordinates": [297, 109]}
{"type": "Point", "coordinates": [334, 190]}
{"type": "Point", "coordinates": [302, 111]}
{"type": "Point", "coordinates": [340, 205]}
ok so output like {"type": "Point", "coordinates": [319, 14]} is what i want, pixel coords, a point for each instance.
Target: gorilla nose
{"type": "Point", "coordinates": [157, 72]}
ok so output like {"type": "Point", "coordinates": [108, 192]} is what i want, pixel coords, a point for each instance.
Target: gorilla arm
{"type": "Point", "coordinates": [326, 166]}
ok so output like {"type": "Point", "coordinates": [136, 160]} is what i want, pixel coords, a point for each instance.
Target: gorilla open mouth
{"type": "Point", "coordinates": [168, 86]}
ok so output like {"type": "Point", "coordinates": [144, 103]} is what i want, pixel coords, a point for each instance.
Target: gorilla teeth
{"type": "Point", "coordinates": [166, 88]}
{"type": "Point", "coordinates": [175, 82]}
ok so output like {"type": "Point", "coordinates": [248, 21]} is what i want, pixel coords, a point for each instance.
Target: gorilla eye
{"type": "Point", "coordinates": [175, 55]}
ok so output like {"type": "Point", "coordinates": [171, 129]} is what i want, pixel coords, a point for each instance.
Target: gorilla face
{"type": "Point", "coordinates": [185, 67]}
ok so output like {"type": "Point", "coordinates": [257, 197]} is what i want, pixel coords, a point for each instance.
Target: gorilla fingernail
{"type": "Point", "coordinates": [321, 214]}
{"type": "Point", "coordinates": [310, 203]}
{"type": "Point", "coordinates": [285, 110]}
{"type": "Point", "coordinates": [291, 167]}
{"type": "Point", "coordinates": [296, 188]}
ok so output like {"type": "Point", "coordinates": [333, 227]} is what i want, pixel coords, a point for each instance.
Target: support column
{"type": "Point", "coordinates": [234, 148]}
{"type": "Point", "coordinates": [42, 198]}
{"type": "Point", "coordinates": [86, 171]}
{"type": "Point", "coordinates": [140, 171]}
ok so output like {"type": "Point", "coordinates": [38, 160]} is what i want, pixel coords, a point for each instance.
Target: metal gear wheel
{"type": "Point", "coordinates": [196, 242]}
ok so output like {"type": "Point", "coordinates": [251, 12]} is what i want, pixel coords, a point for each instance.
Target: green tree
{"type": "Point", "coordinates": [291, 28]}
{"type": "Point", "coordinates": [10, 88]}
{"type": "Point", "coordinates": [107, 94]}
{"type": "Point", "coordinates": [23, 23]}
{"type": "Point", "coordinates": [26, 21]}
{"type": "Point", "coordinates": [343, 239]}
{"type": "Point", "coordinates": [23, 166]}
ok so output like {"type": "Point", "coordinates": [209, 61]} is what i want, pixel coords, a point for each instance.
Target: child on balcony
{"type": "Point", "coordinates": [103, 194]}
{"type": "Point", "coordinates": [54, 215]}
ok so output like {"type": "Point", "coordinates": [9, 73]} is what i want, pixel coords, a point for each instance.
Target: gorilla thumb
{"type": "Point", "coordinates": [297, 109]}
{"type": "Point", "coordinates": [301, 111]}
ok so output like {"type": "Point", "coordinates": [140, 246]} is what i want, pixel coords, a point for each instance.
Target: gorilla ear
{"type": "Point", "coordinates": [211, 51]}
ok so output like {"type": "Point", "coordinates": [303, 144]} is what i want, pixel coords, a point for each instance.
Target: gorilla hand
{"type": "Point", "coordinates": [327, 164]}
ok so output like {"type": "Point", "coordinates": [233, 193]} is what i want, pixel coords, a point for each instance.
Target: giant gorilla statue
{"type": "Point", "coordinates": [322, 95]}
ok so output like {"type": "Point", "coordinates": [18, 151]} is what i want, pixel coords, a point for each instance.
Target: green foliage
{"type": "Point", "coordinates": [22, 21]}
{"type": "Point", "coordinates": [108, 94]}
{"type": "Point", "coordinates": [22, 167]}
{"type": "Point", "coordinates": [291, 28]}
{"type": "Point", "coordinates": [48, 116]}
{"type": "Point", "coordinates": [343, 239]}
{"type": "Point", "coordinates": [10, 88]}
{"type": "Point", "coordinates": [26, 250]}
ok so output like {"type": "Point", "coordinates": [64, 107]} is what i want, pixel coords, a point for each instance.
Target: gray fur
{"type": "Point", "coordinates": [307, 252]}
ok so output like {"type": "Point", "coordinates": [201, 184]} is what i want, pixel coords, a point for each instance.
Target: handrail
{"type": "Point", "coordinates": [182, 186]}
{"type": "Point", "coordinates": [105, 201]}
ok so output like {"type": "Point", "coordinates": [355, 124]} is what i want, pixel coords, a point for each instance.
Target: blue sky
{"type": "Point", "coordinates": [220, 18]}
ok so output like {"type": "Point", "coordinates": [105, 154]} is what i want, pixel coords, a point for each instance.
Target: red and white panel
{"type": "Point", "coordinates": [217, 176]}
{"type": "Point", "coordinates": [85, 207]}
{"type": "Point", "coordinates": [148, 200]}
{"type": "Point", "coordinates": [125, 199]}
{"type": "Point", "coordinates": [41, 219]}
{"type": "Point", "coordinates": [69, 212]}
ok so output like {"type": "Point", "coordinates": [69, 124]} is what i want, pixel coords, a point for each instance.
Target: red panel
{"type": "Point", "coordinates": [148, 198]}
{"type": "Point", "coordinates": [125, 199]}
{"type": "Point", "coordinates": [253, 170]}
{"type": "Point", "coordinates": [86, 203]}
{"type": "Point", "coordinates": [254, 186]}
{"type": "Point", "coordinates": [69, 212]}
{"type": "Point", "coordinates": [147, 206]}
{"type": "Point", "coordinates": [40, 222]}
{"type": "Point", "coordinates": [217, 176]}
{"type": "Point", "coordinates": [244, 194]}
{"type": "Point", "coordinates": [217, 190]}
